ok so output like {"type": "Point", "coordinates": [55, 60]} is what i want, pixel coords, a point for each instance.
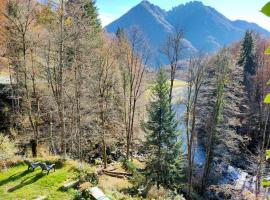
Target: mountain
{"type": "Point", "coordinates": [149, 18]}
{"type": "Point", "coordinates": [205, 29]}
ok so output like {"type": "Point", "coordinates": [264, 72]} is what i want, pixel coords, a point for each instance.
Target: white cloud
{"type": "Point", "coordinates": [106, 18]}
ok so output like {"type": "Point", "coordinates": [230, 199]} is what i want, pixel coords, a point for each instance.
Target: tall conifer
{"type": "Point", "coordinates": [163, 141]}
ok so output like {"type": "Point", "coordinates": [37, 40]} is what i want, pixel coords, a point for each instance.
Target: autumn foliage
{"type": "Point", "coordinates": [2, 18]}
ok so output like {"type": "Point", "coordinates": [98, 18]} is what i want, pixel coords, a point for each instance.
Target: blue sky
{"type": "Point", "coordinates": [248, 10]}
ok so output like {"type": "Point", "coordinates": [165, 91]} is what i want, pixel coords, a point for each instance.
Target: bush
{"type": "Point", "coordinates": [98, 161]}
{"type": "Point", "coordinates": [7, 147]}
{"type": "Point", "coordinates": [83, 196]}
{"type": "Point", "coordinates": [86, 174]}
{"type": "Point", "coordinates": [163, 193]}
{"type": "Point", "coordinates": [137, 179]}
{"type": "Point", "coordinates": [121, 196]}
{"type": "Point", "coordinates": [129, 166]}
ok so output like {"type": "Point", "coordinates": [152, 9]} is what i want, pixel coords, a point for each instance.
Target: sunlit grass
{"type": "Point", "coordinates": [176, 84]}
{"type": "Point", "coordinates": [18, 183]}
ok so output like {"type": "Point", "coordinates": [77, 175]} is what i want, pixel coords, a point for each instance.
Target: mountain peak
{"type": "Point", "coordinates": [204, 27]}
{"type": "Point", "coordinates": [195, 3]}
{"type": "Point", "coordinates": [190, 4]}
{"type": "Point", "coordinates": [151, 7]}
{"type": "Point", "coordinates": [145, 2]}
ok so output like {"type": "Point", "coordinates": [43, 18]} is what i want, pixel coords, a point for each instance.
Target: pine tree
{"type": "Point", "coordinates": [163, 144]}
{"type": "Point", "coordinates": [90, 11]}
{"type": "Point", "coordinates": [247, 54]}
{"type": "Point", "coordinates": [120, 33]}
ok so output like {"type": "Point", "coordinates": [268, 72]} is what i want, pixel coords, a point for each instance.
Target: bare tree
{"type": "Point", "coordinates": [71, 48]}
{"type": "Point", "coordinates": [172, 49]}
{"type": "Point", "coordinates": [136, 58]}
{"type": "Point", "coordinates": [80, 34]}
{"type": "Point", "coordinates": [55, 61]}
{"type": "Point", "coordinates": [196, 72]}
{"type": "Point", "coordinates": [106, 93]}
{"type": "Point", "coordinates": [21, 46]}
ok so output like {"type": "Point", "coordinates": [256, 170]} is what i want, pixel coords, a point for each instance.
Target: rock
{"type": "Point", "coordinates": [228, 192]}
{"type": "Point", "coordinates": [85, 186]}
{"type": "Point", "coordinates": [69, 184]}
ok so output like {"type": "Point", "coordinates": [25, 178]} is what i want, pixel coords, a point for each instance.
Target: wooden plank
{"type": "Point", "coordinates": [117, 173]}
{"type": "Point", "coordinates": [97, 193]}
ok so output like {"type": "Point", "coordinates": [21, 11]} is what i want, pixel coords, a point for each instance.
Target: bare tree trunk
{"type": "Point", "coordinates": [188, 105]}
{"type": "Point", "coordinates": [104, 146]}
{"type": "Point", "coordinates": [60, 80]}
{"type": "Point", "coordinates": [77, 75]}
{"type": "Point", "coordinates": [172, 50]}
{"type": "Point", "coordinates": [195, 78]}
{"type": "Point", "coordinates": [173, 69]}
{"type": "Point", "coordinates": [136, 59]}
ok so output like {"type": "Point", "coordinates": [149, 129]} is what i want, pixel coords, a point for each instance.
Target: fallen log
{"type": "Point", "coordinates": [114, 175]}
{"type": "Point", "coordinates": [117, 174]}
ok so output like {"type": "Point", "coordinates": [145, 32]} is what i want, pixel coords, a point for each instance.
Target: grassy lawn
{"type": "Point", "coordinates": [178, 83]}
{"type": "Point", "coordinates": [17, 183]}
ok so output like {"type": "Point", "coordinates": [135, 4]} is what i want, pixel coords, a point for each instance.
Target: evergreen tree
{"type": "Point", "coordinates": [120, 33]}
{"type": "Point", "coordinates": [163, 144]}
{"type": "Point", "coordinates": [91, 12]}
{"type": "Point", "coordinates": [247, 55]}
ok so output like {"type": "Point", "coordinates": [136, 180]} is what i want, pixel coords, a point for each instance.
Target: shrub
{"type": "Point", "coordinates": [7, 147]}
{"type": "Point", "coordinates": [86, 173]}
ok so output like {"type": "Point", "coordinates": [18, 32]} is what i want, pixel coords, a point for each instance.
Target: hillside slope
{"type": "Point", "coordinates": [233, 164]}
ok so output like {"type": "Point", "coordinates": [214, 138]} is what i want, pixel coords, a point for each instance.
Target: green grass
{"type": "Point", "coordinates": [178, 84]}
{"type": "Point", "coordinates": [17, 183]}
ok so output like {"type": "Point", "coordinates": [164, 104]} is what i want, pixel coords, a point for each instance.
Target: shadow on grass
{"type": "Point", "coordinates": [14, 177]}
{"type": "Point", "coordinates": [26, 182]}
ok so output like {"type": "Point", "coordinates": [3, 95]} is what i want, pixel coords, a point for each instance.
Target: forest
{"type": "Point", "coordinates": [105, 120]}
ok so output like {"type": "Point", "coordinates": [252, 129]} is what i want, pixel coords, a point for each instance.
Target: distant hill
{"type": "Point", "coordinates": [205, 28]}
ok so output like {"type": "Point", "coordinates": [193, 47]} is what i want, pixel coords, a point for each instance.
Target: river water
{"type": "Point", "coordinates": [200, 153]}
